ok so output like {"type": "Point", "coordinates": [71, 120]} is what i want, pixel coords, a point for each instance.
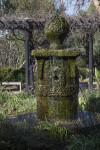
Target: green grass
{"type": "Point", "coordinates": [55, 131]}
{"type": "Point", "coordinates": [21, 136]}
{"type": "Point", "coordinates": [91, 142]}
{"type": "Point", "coordinates": [43, 135]}
{"type": "Point", "coordinates": [26, 137]}
{"type": "Point", "coordinates": [11, 103]}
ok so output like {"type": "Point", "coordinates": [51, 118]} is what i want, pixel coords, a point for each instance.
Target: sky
{"type": "Point", "coordinates": [71, 8]}
{"type": "Point", "coordinates": [2, 33]}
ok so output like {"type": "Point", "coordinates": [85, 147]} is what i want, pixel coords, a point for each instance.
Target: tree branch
{"type": "Point", "coordinates": [17, 37]}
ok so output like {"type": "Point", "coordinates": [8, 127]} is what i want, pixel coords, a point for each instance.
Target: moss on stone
{"type": "Point", "coordinates": [72, 66]}
{"type": "Point", "coordinates": [56, 108]}
{"type": "Point", "coordinates": [56, 30]}
{"type": "Point", "coordinates": [58, 53]}
{"type": "Point", "coordinates": [56, 76]}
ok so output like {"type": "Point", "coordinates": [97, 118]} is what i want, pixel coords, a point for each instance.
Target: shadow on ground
{"type": "Point", "coordinates": [22, 136]}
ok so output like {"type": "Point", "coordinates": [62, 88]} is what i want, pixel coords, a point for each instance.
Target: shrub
{"type": "Point", "coordinates": [82, 72]}
{"type": "Point", "coordinates": [97, 74]}
{"type": "Point", "coordinates": [55, 130]}
{"type": "Point", "coordinates": [18, 74]}
{"type": "Point", "coordinates": [4, 72]}
{"type": "Point", "coordinates": [86, 143]}
{"type": "Point", "coordinates": [90, 101]}
{"type": "Point", "coordinates": [13, 104]}
{"type": "Point", "coordinates": [8, 74]}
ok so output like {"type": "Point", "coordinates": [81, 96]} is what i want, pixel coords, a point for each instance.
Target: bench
{"type": "Point", "coordinates": [12, 83]}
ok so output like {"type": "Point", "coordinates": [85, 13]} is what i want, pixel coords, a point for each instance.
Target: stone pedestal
{"type": "Point", "coordinates": [56, 78]}
{"type": "Point", "coordinates": [56, 81]}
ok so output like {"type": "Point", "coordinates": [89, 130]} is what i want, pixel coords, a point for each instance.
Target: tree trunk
{"type": "Point", "coordinates": [97, 5]}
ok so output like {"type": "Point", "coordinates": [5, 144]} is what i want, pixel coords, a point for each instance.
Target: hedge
{"type": "Point", "coordinates": [9, 74]}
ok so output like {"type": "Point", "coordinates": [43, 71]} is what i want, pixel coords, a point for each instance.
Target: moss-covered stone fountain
{"type": "Point", "coordinates": [56, 78]}
{"type": "Point", "coordinates": [56, 82]}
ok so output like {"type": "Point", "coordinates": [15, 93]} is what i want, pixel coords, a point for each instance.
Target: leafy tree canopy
{"type": "Point", "coordinates": [27, 6]}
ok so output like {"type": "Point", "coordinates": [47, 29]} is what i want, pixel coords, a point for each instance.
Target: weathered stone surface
{"type": "Point", "coordinates": [56, 30]}
{"type": "Point", "coordinates": [59, 53]}
{"type": "Point", "coordinates": [56, 78]}
{"type": "Point", "coordinates": [57, 108]}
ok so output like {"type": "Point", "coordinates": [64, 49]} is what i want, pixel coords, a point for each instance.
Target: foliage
{"type": "Point", "coordinates": [12, 49]}
{"type": "Point", "coordinates": [38, 136]}
{"type": "Point", "coordinates": [86, 143]}
{"type": "Point", "coordinates": [97, 74]}
{"type": "Point", "coordinates": [81, 62]}
{"type": "Point", "coordinates": [18, 74]}
{"type": "Point", "coordinates": [8, 74]}
{"type": "Point", "coordinates": [90, 101]}
{"type": "Point", "coordinates": [91, 9]}
{"type": "Point", "coordinates": [82, 73]}
{"type": "Point", "coordinates": [13, 104]}
{"type": "Point", "coordinates": [4, 72]}
{"type": "Point", "coordinates": [30, 6]}
{"type": "Point", "coordinates": [75, 39]}
{"type": "Point", "coordinates": [96, 48]}
{"type": "Point", "coordinates": [26, 137]}
{"type": "Point", "coordinates": [54, 130]}
{"type": "Point", "coordinates": [6, 6]}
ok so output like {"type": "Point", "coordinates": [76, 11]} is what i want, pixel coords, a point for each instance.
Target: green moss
{"type": "Point", "coordinates": [56, 75]}
{"type": "Point", "coordinates": [56, 108]}
{"type": "Point", "coordinates": [59, 53]}
{"type": "Point", "coordinates": [56, 30]}
{"type": "Point", "coordinates": [72, 67]}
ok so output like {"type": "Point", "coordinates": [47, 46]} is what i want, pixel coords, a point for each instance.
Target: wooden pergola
{"type": "Point", "coordinates": [28, 25]}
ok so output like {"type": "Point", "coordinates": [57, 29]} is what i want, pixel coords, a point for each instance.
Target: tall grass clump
{"type": "Point", "coordinates": [85, 143]}
{"type": "Point", "coordinates": [55, 130]}
{"type": "Point", "coordinates": [11, 103]}
{"type": "Point", "coordinates": [90, 101]}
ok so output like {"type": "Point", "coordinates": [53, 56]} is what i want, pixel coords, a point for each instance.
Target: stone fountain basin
{"type": "Point", "coordinates": [85, 121]}
{"type": "Point", "coordinates": [58, 53]}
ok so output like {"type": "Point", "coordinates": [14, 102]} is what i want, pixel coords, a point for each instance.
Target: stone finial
{"type": "Point", "coordinates": [56, 30]}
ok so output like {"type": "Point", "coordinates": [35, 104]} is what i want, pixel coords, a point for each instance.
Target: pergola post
{"type": "Point", "coordinates": [27, 60]}
{"type": "Point", "coordinates": [28, 67]}
{"type": "Point", "coordinates": [31, 47]}
{"type": "Point", "coordinates": [87, 54]}
{"type": "Point", "coordinates": [91, 61]}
